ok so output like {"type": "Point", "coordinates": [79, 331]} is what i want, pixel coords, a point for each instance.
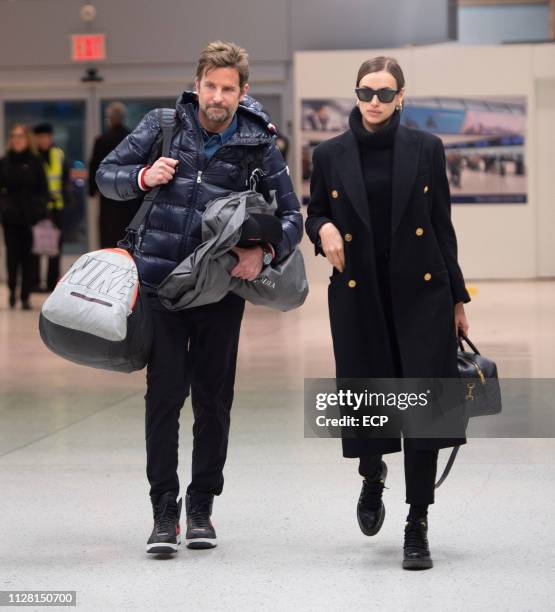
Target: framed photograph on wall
{"type": "Point", "coordinates": [483, 138]}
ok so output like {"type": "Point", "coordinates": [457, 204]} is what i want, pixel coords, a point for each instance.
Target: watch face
{"type": "Point", "coordinates": [267, 259]}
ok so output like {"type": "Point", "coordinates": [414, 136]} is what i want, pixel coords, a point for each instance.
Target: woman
{"type": "Point", "coordinates": [380, 213]}
{"type": "Point", "coordinates": [23, 200]}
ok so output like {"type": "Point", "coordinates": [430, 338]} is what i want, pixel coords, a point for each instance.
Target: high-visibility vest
{"type": "Point", "coordinates": [54, 170]}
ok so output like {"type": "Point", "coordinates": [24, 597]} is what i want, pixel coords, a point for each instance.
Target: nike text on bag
{"type": "Point", "coordinates": [97, 316]}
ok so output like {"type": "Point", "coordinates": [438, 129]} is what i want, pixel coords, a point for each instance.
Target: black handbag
{"type": "Point", "coordinates": [482, 393]}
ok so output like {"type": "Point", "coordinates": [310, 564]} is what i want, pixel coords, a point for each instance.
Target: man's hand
{"type": "Point", "coordinates": [161, 172]}
{"type": "Point", "coordinates": [250, 263]}
{"type": "Point", "coordinates": [461, 322]}
{"type": "Point", "coordinates": [332, 245]}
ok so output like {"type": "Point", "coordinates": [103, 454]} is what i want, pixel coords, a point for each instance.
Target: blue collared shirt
{"type": "Point", "coordinates": [212, 142]}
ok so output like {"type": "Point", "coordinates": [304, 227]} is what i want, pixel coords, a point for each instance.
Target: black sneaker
{"type": "Point", "coordinates": [416, 551]}
{"type": "Point", "coordinates": [370, 507]}
{"type": "Point", "coordinates": [200, 531]}
{"type": "Point", "coordinates": [166, 534]}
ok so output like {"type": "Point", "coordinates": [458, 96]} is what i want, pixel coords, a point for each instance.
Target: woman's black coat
{"type": "Point", "coordinates": [24, 191]}
{"type": "Point", "coordinates": [425, 277]}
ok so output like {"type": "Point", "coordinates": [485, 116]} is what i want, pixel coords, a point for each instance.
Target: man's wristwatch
{"type": "Point", "coordinates": [268, 255]}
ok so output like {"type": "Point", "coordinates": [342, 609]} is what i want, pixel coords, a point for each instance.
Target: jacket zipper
{"type": "Point", "coordinates": [198, 180]}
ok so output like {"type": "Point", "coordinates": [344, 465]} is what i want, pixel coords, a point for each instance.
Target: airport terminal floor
{"type": "Point", "coordinates": [76, 511]}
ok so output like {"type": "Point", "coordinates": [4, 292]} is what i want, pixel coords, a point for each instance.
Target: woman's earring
{"type": "Point", "coordinates": [399, 107]}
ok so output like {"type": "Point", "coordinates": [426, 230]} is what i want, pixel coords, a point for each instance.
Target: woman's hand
{"type": "Point", "coordinates": [332, 245]}
{"type": "Point", "coordinates": [461, 322]}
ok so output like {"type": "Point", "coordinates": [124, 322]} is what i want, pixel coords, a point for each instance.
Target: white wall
{"type": "Point", "coordinates": [495, 241]}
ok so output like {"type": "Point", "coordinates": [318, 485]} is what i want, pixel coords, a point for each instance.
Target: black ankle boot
{"type": "Point", "coordinates": [416, 551]}
{"type": "Point", "coordinates": [200, 530]}
{"type": "Point", "coordinates": [12, 300]}
{"type": "Point", "coordinates": [370, 508]}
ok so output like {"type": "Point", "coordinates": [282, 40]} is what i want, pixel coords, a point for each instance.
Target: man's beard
{"type": "Point", "coordinates": [216, 117]}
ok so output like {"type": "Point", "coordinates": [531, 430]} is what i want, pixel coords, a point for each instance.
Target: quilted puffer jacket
{"type": "Point", "coordinates": [173, 228]}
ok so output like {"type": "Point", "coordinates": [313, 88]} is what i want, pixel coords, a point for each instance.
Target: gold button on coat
{"type": "Point", "coordinates": [335, 194]}
{"type": "Point", "coordinates": [426, 189]}
{"type": "Point", "coordinates": [352, 284]}
{"type": "Point", "coordinates": [427, 276]}
{"type": "Point", "coordinates": [419, 231]}
{"type": "Point", "coordinates": [348, 237]}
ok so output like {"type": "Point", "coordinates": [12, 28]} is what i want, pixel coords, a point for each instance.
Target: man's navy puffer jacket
{"type": "Point", "coordinates": [173, 228]}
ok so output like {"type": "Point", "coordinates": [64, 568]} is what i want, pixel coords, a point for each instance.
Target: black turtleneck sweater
{"type": "Point", "coordinates": [376, 158]}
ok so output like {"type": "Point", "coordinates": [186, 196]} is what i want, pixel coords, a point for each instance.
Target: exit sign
{"type": "Point", "coordinates": [88, 47]}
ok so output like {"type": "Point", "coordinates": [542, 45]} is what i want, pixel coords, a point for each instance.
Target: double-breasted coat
{"type": "Point", "coordinates": [425, 278]}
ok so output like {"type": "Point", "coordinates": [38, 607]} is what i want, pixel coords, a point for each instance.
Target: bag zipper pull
{"type": "Point", "coordinates": [199, 176]}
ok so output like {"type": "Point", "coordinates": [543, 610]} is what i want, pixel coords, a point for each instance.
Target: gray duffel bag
{"type": "Point", "coordinates": [204, 276]}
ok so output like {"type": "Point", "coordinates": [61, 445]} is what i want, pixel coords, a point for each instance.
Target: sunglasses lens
{"type": "Point", "coordinates": [364, 94]}
{"type": "Point", "coordinates": [386, 95]}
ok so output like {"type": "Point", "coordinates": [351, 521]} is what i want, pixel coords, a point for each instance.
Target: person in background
{"type": "Point", "coordinates": [114, 216]}
{"type": "Point", "coordinates": [57, 172]}
{"type": "Point", "coordinates": [23, 200]}
{"type": "Point", "coordinates": [282, 143]}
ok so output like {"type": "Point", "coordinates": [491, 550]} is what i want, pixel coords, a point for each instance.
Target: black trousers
{"type": "Point", "coordinates": [420, 473]}
{"type": "Point", "coordinates": [193, 349]}
{"type": "Point", "coordinates": [19, 242]}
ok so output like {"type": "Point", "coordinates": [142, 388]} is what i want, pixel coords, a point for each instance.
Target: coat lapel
{"type": "Point", "coordinates": [350, 172]}
{"type": "Point", "coordinates": [406, 151]}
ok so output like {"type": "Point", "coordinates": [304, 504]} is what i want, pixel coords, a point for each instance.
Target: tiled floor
{"type": "Point", "coordinates": [75, 513]}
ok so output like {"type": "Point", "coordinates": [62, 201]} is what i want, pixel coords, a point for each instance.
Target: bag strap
{"type": "Point", "coordinates": [463, 336]}
{"type": "Point", "coordinates": [448, 467]}
{"type": "Point", "coordinates": [166, 118]}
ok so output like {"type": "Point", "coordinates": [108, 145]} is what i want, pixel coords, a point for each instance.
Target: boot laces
{"type": "Point", "coordinates": [199, 515]}
{"type": "Point", "coordinates": [372, 491]}
{"type": "Point", "coordinates": [415, 536]}
{"type": "Point", "coordinates": [166, 516]}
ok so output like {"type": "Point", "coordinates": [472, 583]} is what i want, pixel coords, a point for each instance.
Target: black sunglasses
{"type": "Point", "coordinates": [365, 94]}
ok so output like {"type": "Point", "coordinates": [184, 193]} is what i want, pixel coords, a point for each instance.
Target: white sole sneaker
{"type": "Point", "coordinates": [162, 548]}
{"type": "Point", "coordinates": [201, 543]}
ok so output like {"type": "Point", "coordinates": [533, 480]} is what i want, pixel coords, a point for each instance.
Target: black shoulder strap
{"type": "Point", "coordinates": [166, 118]}
{"type": "Point", "coordinates": [448, 467]}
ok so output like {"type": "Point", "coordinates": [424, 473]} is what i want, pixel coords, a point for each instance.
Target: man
{"type": "Point", "coordinates": [223, 141]}
{"type": "Point", "coordinates": [114, 216]}
{"type": "Point", "coordinates": [57, 173]}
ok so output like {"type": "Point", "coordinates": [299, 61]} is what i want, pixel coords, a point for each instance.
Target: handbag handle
{"type": "Point", "coordinates": [463, 336]}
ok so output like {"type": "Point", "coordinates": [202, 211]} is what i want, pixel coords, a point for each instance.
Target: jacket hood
{"type": "Point", "coordinates": [249, 108]}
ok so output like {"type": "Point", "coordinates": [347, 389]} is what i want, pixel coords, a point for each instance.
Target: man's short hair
{"type": "Point", "coordinates": [219, 54]}
{"type": "Point", "coordinates": [116, 112]}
